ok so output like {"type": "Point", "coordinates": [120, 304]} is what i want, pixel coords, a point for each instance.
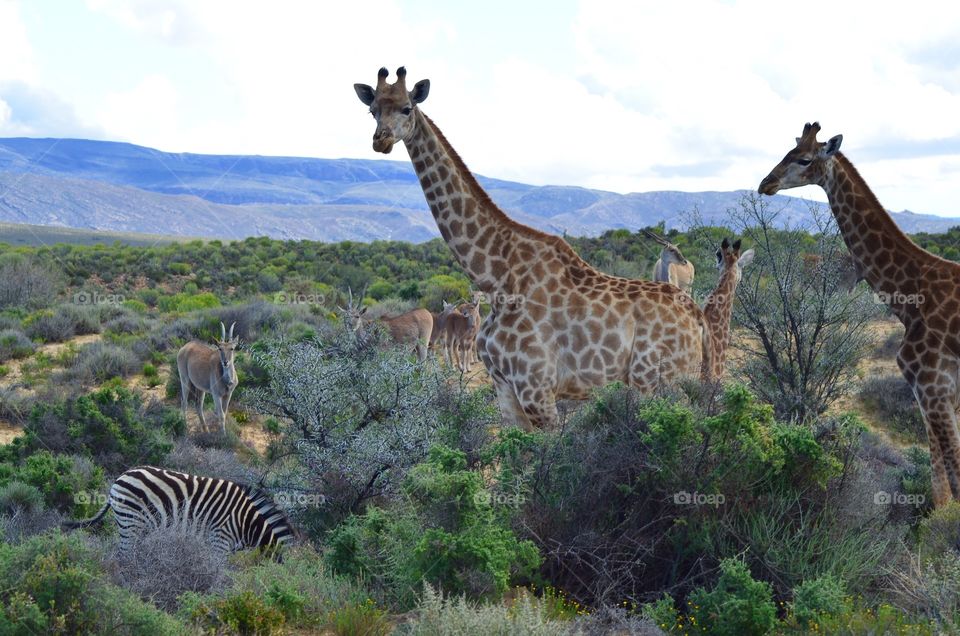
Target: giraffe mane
{"type": "Point", "coordinates": [484, 199]}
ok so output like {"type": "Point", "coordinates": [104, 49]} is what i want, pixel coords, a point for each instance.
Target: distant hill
{"type": "Point", "coordinates": [118, 187]}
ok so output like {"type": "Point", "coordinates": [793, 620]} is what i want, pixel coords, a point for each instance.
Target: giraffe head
{"type": "Point", "coordinates": [730, 259]}
{"type": "Point", "coordinates": [393, 107]}
{"type": "Point", "coordinates": [805, 164]}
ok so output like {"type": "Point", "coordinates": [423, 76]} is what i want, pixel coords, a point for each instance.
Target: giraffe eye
{"type": "Point", "coordinates": [803, 162]}
{"type": "Point", "coordinates": [407, 110]}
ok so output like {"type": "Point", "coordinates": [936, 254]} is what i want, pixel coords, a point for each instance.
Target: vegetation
{"type": "Point", "coordinates": [763, 507]}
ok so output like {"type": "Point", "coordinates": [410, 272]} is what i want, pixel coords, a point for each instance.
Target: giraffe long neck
{"type": "Point", "coordinates": [884, 256]}
{"type": "Point", "coordinates": [477, 231]}
{"type": "Point", "coordinates": [718, 309]}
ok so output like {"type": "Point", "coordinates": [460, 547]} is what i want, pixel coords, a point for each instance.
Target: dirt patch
{"type": "Point", "coordinates": [9, 432]}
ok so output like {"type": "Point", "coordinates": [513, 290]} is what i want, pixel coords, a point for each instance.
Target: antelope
{"type": "Point", "coordinates": [472, 309]}
{"type": "Point", "coordinates": [460, 330]}
{"type": "Point", "coordinates": [210, 370]}
{"type": "Point", "coordinates": [413, 327]}
{"type": "Point", "coordinates": [672, 267]}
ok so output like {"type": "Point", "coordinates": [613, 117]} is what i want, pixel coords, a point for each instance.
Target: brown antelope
{"type": "Point", "coordinates": [460, 332]}
{"type": "Point", "coordinates": [210, 370]}
{"type": "Point", "coordinates": [672, 267]}
{"type": "Point", "coordinates": [472, 310]}
{"type": "Point", "coordinates": [414, 327]}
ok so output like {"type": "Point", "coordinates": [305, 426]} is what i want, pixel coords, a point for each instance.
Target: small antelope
{"type": "Point", "coordinates": [413, 327]}
{"type": "Point", "coordinates": [460, 334]}
{"type": "Point", "coordinates": [672, 267]}
{"type": "Point", "coordinates": [472, 310]}
{"type": "Point", "coordinates": [210, 370]}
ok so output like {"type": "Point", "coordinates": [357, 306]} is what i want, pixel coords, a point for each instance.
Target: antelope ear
{"type": "Point", "coordinates": [746, 258]}
{"type": "Point", "coordinates": [420, 91]}
{"type": "Point", "coordinates": [832, 145]}
{"type": "Point", "coordinates": [736, 245]}
{"type": "Point", "coordinates": [365, 93]}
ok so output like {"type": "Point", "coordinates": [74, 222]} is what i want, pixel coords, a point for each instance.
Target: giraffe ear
{"type": "Point", "coordinates": [745, 259]}
{"type": "Point", "coordinates": [420, 91]}
{"type": "Point", "coordinates": [832, 146]}
{"type": "Point", "coordinates": [365, 93]}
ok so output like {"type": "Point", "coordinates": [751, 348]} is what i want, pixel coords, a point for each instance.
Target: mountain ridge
{"type": "Point", "coordinates": [118, 186]}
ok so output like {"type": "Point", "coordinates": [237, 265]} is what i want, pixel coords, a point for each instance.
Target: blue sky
{"type": "Point", "coordinates": [625, 96]}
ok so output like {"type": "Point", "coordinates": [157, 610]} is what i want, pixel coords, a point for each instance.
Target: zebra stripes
{"type": "Point", "coordinates": [232, 517]}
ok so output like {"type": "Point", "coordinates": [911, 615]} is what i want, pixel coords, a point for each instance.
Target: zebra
{"type": "Point", "coordinates": [231, 516]}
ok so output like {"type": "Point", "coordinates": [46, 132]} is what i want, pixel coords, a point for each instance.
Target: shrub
{"type": "Point", "coordinates": [98, 362]}
{"type": "Point", "coordinates": [17, 496]}
{"type": "Point", "coordinates": [25, 282]}
{"type": "Point", "coordinates": [184, 302]}
{"type": "Point", "coordinates": [14, 344]}
{"type": "Point", "coordinates": [812, 599]}
{"type": "Point", "coordinates": [360, 416]}
{"type": "Point", "coordinates": [125, 324]}
{"type": "Point", "coordinates": [188, 457]}
{"type": "Point", "coordinates": [737, 605]}
{"type": "Point", "coordinates": [446, 533]}
{"type": "Point", "coordinates": [359, 618]}
{"type": "Point", "coordinates": [165, 563]}
{"type": "Point", "coordinates": [66, 482]}
{"type": "Point", "coordinates": [241, 613]}
{"type": "Point", "coordinates": [893, 400]}
{"type": "Point", "coordinates": [50, 326]}
{"type": "Point", "coordinates": [110, 426]}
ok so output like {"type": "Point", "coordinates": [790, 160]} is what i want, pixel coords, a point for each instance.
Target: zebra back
{"type": "Point", "coordinates": [231, 515]}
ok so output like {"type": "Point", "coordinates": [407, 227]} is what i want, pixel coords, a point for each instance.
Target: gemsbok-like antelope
{"type": "Point", "coordinates": [672, 266]}
{"type": "Point", "coordinates": [414, 327]}
{"type": "Point", "coordinates": [209, 370]}
{"type": "Point", "coordinates": [460, 333]}
{"type": "Point", "coordinates": [472, 310]}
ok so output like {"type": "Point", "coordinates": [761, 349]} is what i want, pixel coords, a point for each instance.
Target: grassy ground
{"type": "Point", "coordinates": [36, 235]}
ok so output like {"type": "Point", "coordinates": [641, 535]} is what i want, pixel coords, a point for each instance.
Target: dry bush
{"type": "Point", "coordinates": [191, 458]}
{"type": "Point", "coordinates": [165, 563]}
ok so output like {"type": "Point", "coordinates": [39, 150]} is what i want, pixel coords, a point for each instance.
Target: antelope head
{"type": "Point", "coordinates": [353, 314]}
{"type": "Point", "coordinates": [226, 346]}
{"type": "Point", "coordinates": [670, 252]}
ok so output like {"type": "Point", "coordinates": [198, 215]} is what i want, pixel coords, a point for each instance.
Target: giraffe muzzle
{"type": "Point", "coordinates": [383, 142]}
{"type": "Point", "coordinates": [769, 186]}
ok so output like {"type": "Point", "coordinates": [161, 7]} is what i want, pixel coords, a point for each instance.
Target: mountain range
{"type": "Point", "coordinates": [120, 187]}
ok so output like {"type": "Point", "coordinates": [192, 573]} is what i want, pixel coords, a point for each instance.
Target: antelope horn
{"type": "Point", "coordinates": [659, 239]}
{"type": "Point", "coordinates": [231, 330]}
{"type": "Point", "coordinates": [223, 331]}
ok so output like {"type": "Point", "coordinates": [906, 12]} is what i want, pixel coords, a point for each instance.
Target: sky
{"type": "Point", "coordinates": [628, 96]}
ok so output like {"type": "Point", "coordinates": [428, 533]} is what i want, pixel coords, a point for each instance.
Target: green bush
{"type": "Point", "coordinates": [110, 426]}
{"type": "Point", "coordinates": [736, 606]}
{"type": "Point", "coordinates": [53, 584]}
{"type": "Point", "coordinates": [241, 613]}
{"type": "Point", "coordinates": [14, 345]}
{"type": "Point", "coordinates": [18, 496]}
{"type": "Point", "coordinates": [184, 302]}
{"type": "Point", "coordinates": [813, 599]}
{"type": "Point", "coordinates": [446, 533]}
{"type": "Point", "coordinates": [66, 483]}
{"type": "Point", "coordinates": [359, 618]}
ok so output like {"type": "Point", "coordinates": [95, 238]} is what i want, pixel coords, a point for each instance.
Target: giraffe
{"type": "Point", "coordinates": [719, 304]}
{"type": "Point", "coordinates": [557, 328]}
{"type": "Point", "coordinates": [921, 289]}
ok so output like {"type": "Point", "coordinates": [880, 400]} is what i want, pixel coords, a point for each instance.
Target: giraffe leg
{"type": "Point", "coordinates": [540, 409]}
{"type": "Point", "coordinates": [511, 413]}
{"type": "Point", "coordinates": [940, 417]}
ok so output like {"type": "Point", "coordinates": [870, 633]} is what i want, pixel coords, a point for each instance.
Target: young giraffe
{"type": "Point", "coordinates": [719, 304]}
{"type": "Point", "coordinates": [557, 327]}
{"type": "Point", "coordinates": [922, 289]}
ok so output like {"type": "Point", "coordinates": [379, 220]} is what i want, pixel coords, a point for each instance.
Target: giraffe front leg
{"type": "Point", "coordinates": [511, 413]}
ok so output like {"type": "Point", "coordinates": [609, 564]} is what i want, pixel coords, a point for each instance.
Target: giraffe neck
{"type": "Point", "coordinates": [718, 309]}
{"type": "Point", "coordinates": [884, 256]}
{"type": "Point", "coordinates": [477, 231]}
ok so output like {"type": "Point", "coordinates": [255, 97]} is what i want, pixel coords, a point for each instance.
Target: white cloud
{"type": "Point", "coordinates": [147, 113]}
{"type": "Point", "coordinates": [15, 51]}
